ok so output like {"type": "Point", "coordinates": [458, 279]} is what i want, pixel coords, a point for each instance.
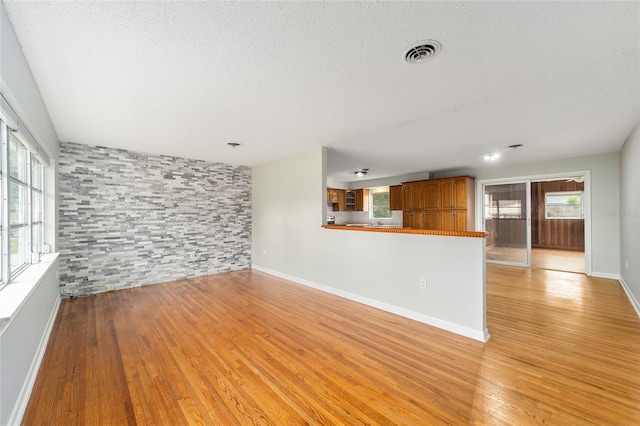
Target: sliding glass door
{"type": "Point", "coordinates": [507, 222]}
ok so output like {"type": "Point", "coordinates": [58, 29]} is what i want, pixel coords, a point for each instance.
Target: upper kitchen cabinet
{"type": "Point", "coordinates": [336, 198]}
{"type": "Point", "coordinates": [457, 193]}
{"type": "Point", "coordinates": [395, 197]}
{"type": "Point", "coordinates": [360, 200]}
{"type": "Point", "coordinates": [432, 200]}
{"type": "Point", "coordinates": [355, 200]}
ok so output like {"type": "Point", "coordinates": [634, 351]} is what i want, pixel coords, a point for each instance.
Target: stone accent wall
{"type": "Point", "coordinates": [129, 219]}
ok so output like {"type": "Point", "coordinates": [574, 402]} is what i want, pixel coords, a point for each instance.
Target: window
{"type": "Point", "coordinates": [18, 205]}
{"type": "Point", "coordinates": [563, 205]}
{"type": "Point", "coordinates": [502, 209]}
{"type": "Point", "coordinates": [380, 205]}
{"type": "Point", "coordinates": [21, 206]}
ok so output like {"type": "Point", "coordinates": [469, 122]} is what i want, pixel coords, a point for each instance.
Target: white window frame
{"type": "Point", "coordinates": [372, 195]}
{"type": "Point", "coordinates": [567, 194]}
{"type": "Point", "coordinates": [8, 273]}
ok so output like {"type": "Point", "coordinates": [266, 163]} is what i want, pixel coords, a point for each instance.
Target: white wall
{"type": "Point", "coordinates": [20, 89]}
{"type": "Point", "coordinates": [605, 198]}
{"type": "Point", "coordinates": [630, 216]}
{"type": "Point", "coordinates": [380, 269]}
{"type": "Point", "coordinates": [23, 339]}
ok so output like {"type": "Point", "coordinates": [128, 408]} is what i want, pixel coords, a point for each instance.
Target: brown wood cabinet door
{"type": "Point", "coordinates": [407, 219]}
{"type": "Point", "coordinates": [448, 220]}
{"type": "Point", "coordinates": [433, 219]}
{"type": "Point", "coordinates": [395, 197]}
{"type": "Point", "coordinates": [359, 200]}
{"type": "Point", "coordinates": [446, 189]}
{"type": "Point", "coordinates": [418, 195]}
{"type": "Point", "coordinates": [419, 219]}
{"type": "Point", "coordinates": [341, 201]}
{"type": "Point", "coordinates": [431, 196]}
{"type": "Point", "coordinates": [454, 220]}
{"type": "Point", "coordinates": [460, 220]}
{"type": "Point", "coordinates": [407, 196]}
{"type": "Point", "coordinates": [459, 193]}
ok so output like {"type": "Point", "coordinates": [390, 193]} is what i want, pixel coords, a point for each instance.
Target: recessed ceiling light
{"type": "Point", "coordinates": [361, 172]}
{"type": "Point", "coordinates": [492, 157]}
{"type": "Point", "coordinates": [421, 51]}
{"type": "Point", "coordinates": [233, 144]}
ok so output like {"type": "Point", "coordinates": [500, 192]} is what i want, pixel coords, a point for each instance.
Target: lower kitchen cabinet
{"type": "Point", "coordinates": [454, 220]}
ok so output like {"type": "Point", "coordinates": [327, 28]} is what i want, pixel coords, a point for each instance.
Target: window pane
{"type": "Point", "coordinates": [36, 200]}
{"type": "Point", "coordinates": [380, 205]}
{"type": "Point", "coordinates": [18, 247]}
{"type": "Point", "coordinates": [36, 173]}
{"type": "Point", "coordinates": [17, 200]}
{"type": "Point", "coordinates": [17, 159]}
{"type": "Point", "coordinates": [563, 205]}
{"type": "Point", "coordinates": [36, 238]}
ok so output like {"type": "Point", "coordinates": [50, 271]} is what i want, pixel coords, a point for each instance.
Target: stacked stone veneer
{"type": "Point", "coordinates": [129, 219]}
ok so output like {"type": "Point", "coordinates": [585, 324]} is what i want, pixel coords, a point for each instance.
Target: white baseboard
{"type": "Point", "coordinates": [632, 299]}
{"type": "Point", "coordinates": [482, 336]}
{"type": "Point", "coordinates": [605, 275]}
{"type": "Point", "coordinates": [25, 393]}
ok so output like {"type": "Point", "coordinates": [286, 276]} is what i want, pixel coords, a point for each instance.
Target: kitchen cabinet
{"type": "Point", "coordinates": [454, 193]}
{"type": "Point", "coordinates": [431, 192]}
{"type": "Point", "coordinates": [360, 200]}
{"type": "Point", "coordinates": [354, 200]}
{"type": "Point", "coordinates": [336, 198]}
{"type": "Point", "coordinates": [395, 197]}
{"type": "Point", "coordinates": [439, 204]}
{"type": "Point", "coordinates": [454, 220]}
{"type": "Point", "coordinates": [407, 196]}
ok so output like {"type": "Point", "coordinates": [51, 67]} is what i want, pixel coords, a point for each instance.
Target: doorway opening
{"type": "Point", "coordinates": [557, 224]}
{"type": "Point", "coordinates": [538, 221]}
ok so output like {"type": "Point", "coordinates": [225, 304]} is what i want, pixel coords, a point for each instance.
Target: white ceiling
{"type": "Point", "coordinates": [185, 78]}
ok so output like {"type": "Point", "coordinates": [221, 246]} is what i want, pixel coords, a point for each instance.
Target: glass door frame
{"type": "Point", "coordinates": [480, 183]}
{"type": "Point", "coordinates": [510, 181]}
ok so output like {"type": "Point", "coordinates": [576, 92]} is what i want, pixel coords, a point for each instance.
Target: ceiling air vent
{"type": "Point", "coordinates": [421, 51]}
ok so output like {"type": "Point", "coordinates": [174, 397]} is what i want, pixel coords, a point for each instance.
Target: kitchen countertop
{"type": "Point", "coordinates": [375, 228]}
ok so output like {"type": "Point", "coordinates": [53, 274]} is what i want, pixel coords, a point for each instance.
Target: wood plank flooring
{"type": "Point", "coordinates": [248, 348]}
{"type": "Point", "coordinates": [558, 259]}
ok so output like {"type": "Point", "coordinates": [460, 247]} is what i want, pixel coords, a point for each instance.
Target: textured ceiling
{"type": "Point", "coordinates": [185, 78]}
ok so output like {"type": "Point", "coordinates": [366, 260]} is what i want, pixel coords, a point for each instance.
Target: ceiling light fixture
{"type": "Point", "coordinates": [421, 51]}
{"type": "Point", "coordinates": [361, 172]}
{"type": "Point", "coordinates": [492, 157]}
{"type": "Point", "coordinates": [233, 144]}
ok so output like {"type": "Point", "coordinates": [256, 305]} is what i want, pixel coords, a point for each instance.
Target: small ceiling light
{"type": "Point", "coordinates": [361, 172]}
{"type": "Point", "coordinates": [492, 157]}
{"type": "Point", "coordinates": [233, 144]}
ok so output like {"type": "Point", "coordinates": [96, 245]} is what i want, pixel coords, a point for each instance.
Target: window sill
{"type": "Point", "coordinates": [14, 295]}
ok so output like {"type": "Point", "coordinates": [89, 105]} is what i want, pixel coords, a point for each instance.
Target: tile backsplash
{"type": "Point", "coordinates": [363, 217]}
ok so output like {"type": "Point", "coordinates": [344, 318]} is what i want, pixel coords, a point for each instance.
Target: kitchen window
{"type": "Point", "coordinates": [379, 205]}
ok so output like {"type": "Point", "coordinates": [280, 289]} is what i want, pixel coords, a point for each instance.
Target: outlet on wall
{"type": "Point", "coordinates": [423, 283]}
{"type": "Point", "coordinates": [192, 255]}
{"type": "Point", "coordinates": [110, 287]}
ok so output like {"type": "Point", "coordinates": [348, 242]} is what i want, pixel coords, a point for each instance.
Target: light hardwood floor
{"type": "Point", "coordinates": [248, 348]}
{"type": "Point", "coordinates": [561, 260]}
